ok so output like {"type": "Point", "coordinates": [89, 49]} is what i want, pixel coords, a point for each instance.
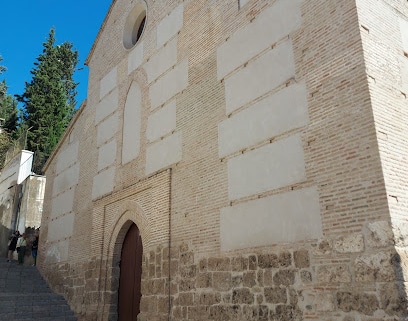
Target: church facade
{"type": "Point", "coordinates": [236, 160]}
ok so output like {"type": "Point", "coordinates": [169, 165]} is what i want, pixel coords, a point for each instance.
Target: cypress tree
{"type": "Point", "coordinates": [49, 99]}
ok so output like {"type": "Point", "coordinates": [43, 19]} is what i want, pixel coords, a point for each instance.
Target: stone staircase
{"type": "Point", "coordinates": [24, 295]}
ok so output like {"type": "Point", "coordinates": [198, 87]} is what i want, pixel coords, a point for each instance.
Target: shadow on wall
{"type": "Point", "coordinates": [396, 301]}
{"type": "Point", "coordinates": [5, 232]}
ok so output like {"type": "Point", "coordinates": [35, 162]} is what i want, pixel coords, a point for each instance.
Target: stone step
{"type": "Point", "coordinates": [24, 295]}
{"type": "Point", "coordinates": [21, 278]}
{"type": "Point", "coordinates": [36, 311]}
{"type": "Point", "coordinates": [31, 297]}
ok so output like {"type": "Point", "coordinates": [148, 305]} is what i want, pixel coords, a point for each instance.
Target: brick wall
{"type": "Point", "coordinates": [386, 60]}
{"type": "Point", "coordinates": [334, 259]}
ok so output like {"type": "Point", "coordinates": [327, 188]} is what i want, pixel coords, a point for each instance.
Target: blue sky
{"type": "Point", "coordinates": [25, 26]}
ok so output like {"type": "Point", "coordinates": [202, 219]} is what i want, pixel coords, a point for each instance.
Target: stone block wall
{"type": "Point", "coordinates": [354, 277]}
{"type": "Point", "coordinates": [298, 282]}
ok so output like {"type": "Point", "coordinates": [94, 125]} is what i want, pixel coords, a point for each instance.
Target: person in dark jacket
{"type": "Point", "coordinates": [34, 249]}
{"type": "Point", "coordinates": [12, 246]}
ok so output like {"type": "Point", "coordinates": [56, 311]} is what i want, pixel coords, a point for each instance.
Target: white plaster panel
{"type": "Point", "coordinates": [17, 169]}
{"type": "Point", "coordinates": [10, 172]}
{"type": "Point", "coordinates": [135, 57]}
{"type": "Point", "coordinates": [63, 203]}
{"type": "Point", "coordinates": [26, 166]}
{"type": "Point", "coordinates": [266, 168]}
{"type": "Point", "coordinates": [66, 179]}
{"type": "Point", "coordinates": [132, 124]}
{"type": "Point", "coordinates": [283, 218]}
{"type": "Point", "coordinates": [285, 110]}
{"type": "Point", "coordinates": [67, 157]}
{"type": "Point", "coordinates": [260, 76]}
{"type": "Point", "coordinates": [404, 72]}
{"type": "Point", "coordinates": [108, 82]}
{"type": "Point", "coordinates": [169, 85]}
{"type": "Point", "coordinates": [162, 122]}
{"type": "Point", "coordinates": [170, 25]}
{"type": "Point", "coordinates": [57, 252]}
{"type": "Point", "coordinates": [103, 183]}
{"type": "Point", "coordinates": [242, 3]}
{"type": "Point", "coordinates": [61, 227]}
{"type": "Point", "coordinates": [404, 33]}
{"type": "Point", "coordinates": [271, 25]}
{"type": "Point", "coordinates": [107, 105]}
{"type": "Point", "coordinates": [163, 60]}
{"type": "Point", "coordinates": [107, 155]}
{"type": "Point", "coordinates": [107, 129]}
{"type": "Point", "coordinates": [164, 153]}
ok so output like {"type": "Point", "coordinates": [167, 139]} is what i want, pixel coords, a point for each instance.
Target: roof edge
{"type": "Point", "coordinates": [99, 33]}
{"type": "Point", "coordinates": [64, 136]}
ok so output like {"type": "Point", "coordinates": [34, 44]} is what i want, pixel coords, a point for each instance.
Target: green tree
{"type": "Point", "coordinates": [5, 143]}
{"type": "Point", "coordinates": [8, 111]}
{"type": "Point", "coordinates": [49, 99]}
{"type": "Point", "coordinates": [3, 87]}
{"type": "Point", "coordinates": [9, 119]}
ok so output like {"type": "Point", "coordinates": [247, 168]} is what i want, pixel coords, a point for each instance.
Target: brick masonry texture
{"type": "Point", "coordinates": [349, 56]}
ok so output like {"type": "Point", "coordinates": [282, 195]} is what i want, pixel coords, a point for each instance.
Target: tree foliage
{"type": "Point", "coordinates": [49, 99]}
{"type": "Point", "coordinates": [9, 119]}
{"type": "Point", "coordinates": [5, 143]}
{"type": "Point", "coordinates": [8, 111]}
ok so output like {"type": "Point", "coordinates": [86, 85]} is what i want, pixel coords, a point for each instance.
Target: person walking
{"type": "Point", "coordinates": [12, 246]}
{"type": "Point", "coordinates": [34, 250]}
{"type": "Point", "coordinates": [21, 248]}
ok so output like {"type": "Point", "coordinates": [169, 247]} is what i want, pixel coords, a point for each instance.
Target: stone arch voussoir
{"type": "Point", "coordinates": [132, 212]}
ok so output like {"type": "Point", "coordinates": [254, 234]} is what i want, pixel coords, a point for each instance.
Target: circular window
{"type": "Point", "coordinates": [135, 24]}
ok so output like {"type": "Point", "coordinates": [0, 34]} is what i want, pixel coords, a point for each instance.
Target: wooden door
{"type": "Point", "coordinates": [130, 276]}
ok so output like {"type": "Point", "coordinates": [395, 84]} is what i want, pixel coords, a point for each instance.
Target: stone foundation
{"type": "Point", "coordinates": [331, 279]}
{"type": "Point", "coordinates": [286, 285]}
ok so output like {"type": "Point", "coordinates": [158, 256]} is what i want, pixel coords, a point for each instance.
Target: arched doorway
{"type": "Point", "coordinates": [130, 275]}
